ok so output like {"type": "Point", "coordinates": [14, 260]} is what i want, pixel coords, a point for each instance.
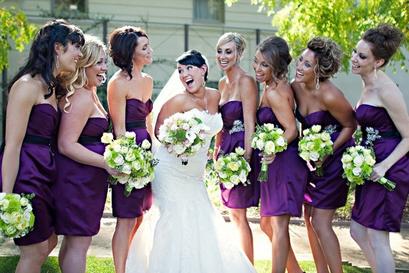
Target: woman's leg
{"type": "Point", "coordinates": [280, 242]}
{"type": "Point", "coordinates": [322, 225]}
{"type": "Point", "coordinates": [239, 218]}
{"type": "Point", "coordinates": [292, 263]}
{"type": "Point", "coordinates": [74, 257]}
{"type": "Point", "coordinates": [121, 241]}
{"type": "Point", "coordinates": [33, 256]}
{"type": "Point", "coordinates": [360, 234]}
{"type": "Point", "coordinates": [379, 240]}
{"type": "Point", "coordinates": [317, 254]}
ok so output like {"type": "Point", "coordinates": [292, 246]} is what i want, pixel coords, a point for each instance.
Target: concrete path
{"type": "Point", "coordinates": [101, 245]}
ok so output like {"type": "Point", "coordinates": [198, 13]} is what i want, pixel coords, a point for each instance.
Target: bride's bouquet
{"type": "Point", "coordinates": [136, 163]}
{"type": "Point", "coordinates": [16, 214]}
{"type": "Point", "coordinates": [314, 146]}
{"type": "Point", "coordinates": [183, 134]}
{"type": "Point", "coordinates": [358, 162]}
{"type": "Point", "coordinates": [232, 169]}
{"type": "Point", "coordinates": [269, 140]}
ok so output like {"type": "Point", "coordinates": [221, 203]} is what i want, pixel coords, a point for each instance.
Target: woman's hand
{"type": "Point", "coordinates": [378, 171]}
{"type": "Point", "coordinates": [267, 159]}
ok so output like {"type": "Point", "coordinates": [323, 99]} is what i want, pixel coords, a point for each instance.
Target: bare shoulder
{"type": "Point", "coordinates": [389, 93]}
{"type": "Point", "coordinates": [28, 89]}
{"type": "Point", "coordinates": [147, 77]}
{"type": "Point", "coordinates": [213, 93]}
{"type": "Point", "coordinates": [246, 79]}
{"type": "Point", "coordinates": [331, 93]}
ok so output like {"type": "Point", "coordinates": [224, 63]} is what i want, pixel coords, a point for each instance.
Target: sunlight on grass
{"type": "Point", "coordinates": [105, 265]}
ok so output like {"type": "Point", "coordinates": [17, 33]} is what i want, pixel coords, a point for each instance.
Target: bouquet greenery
{"type": "Point", "coordinates": [269, 140]}
{"type": "Point", "coordinates": [16, 214]}
{"type": "Point", "coordinates": [232, 169]}
{"type": "Point", "coordinates": [136, 163]}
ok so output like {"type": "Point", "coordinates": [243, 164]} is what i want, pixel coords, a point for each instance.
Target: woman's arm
{"type": "Point", "coordinates": [338, 106]}
{"type": "Point", "coordinates": [283, 110]}
{"type": "Point", "coordinates": [71, 126]}
{"type": "Point", "coordinates": [23, 96]}
{"type": "Point", "coordinates": [394, 104]}
{"type": "Point", "coordinates": [249, 97]}
{"type": "Point", "coordinates": [117, 106]}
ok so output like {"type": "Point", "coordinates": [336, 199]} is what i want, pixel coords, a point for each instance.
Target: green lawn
{"type": "Point", "coordinates": [105, 265]}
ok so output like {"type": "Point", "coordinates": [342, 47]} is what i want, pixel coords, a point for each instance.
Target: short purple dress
{"type": "Point", "coordinates": [80, 191]}
{"type": "Point", "coordinates": [37, 170]}
{"type": "Point", "coordinates": [375, 207]}
{"type": "Point", "coordinates": [239, 196]}
{"type": "Point", "coordinates": [283, 192]}
{"type": "Point", "coordinates": [139, 200]}
{"type": "Point", "coordinates": [329, 191]}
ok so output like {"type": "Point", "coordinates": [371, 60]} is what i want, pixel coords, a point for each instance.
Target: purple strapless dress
{"type": "Point", "coordinates": [37, 171]}
{"type": "Point", "coordinates": [283, 192]}
{"type": "Point", "coordinates": [239, 196]}
{"type": "Point", "coordinates": [375, 207]}
{"type": "Point", "coordinates": [329, 191]}
{"type": "Point", "coordinates": [139, 200]}
{"type": "Point", "coordinates": [81, 189]}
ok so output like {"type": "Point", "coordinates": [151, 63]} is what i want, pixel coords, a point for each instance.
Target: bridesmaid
{"type": "Point", "coordinates": [28, 164]}
{"type": "Point", "coordinates": [282, 194]}
{"type": "Point", "coordinates": [238, 108]}
{"type": "Point", "coordinates": [319, 101]}
{"type": "Point", "coordinates": [377, 211]}
{"type": "Point", "coordinates": [81, 185]}
{"type": "Point", "coordinates": [130, 104]}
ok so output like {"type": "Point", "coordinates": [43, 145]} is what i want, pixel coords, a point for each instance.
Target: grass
{"type": "Point", "coordinates": [105, 265]}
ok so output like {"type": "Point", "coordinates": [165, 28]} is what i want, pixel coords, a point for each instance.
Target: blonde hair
{"type": "Point", "coordinates": [92, 49]}
{"type": "Point", "coordinates": [235, 37]}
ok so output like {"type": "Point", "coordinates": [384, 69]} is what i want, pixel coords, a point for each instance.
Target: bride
{"type": "Point", "coordinates": [185, 234]}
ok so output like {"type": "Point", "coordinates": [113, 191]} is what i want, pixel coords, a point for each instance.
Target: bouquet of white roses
{"type": "Point", "coordinates": [315, 146]}
{"type": "Point", "coordinates": [16, 214]}
{"type": "Point", "coordinates": [134, 161]}
{"type": "Point", "coordinates": [232, 169]}
{"type": "Point", "coordinates": [183, 134]}
{"type": "Point", "coordinates": [358, 163]}
{"type": "Point", "coordinates": [269, 140]}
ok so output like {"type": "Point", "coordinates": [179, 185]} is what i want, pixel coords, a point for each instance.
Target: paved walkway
{"type": "Point", "coordinates": [101, 245]}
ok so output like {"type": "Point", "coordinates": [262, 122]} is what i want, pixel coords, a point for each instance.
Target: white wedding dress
{"type": "Point", "coordinates": [183, 233]}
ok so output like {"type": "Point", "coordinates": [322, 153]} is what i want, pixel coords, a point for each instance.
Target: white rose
{"type": "Point", "coordinates": [316, 128]}
{"type": "Point", "coordinates": [107, 138]}
{"type": "Point", "coordinates": [314, 156]}
{"type": "Point", "coordinates": [346, 158]}
{"type": "Point", "coordinates": [146, 144]}
{"type": "Point", "coordinates": [306, 132]}
{"type": "Point", "coordinates": [122, 179]}
{"type": "Point", "coordinates": [239, 151]}
{"type": "Point", "coordinates": [179, 149]}
{"type": "Point", "coordinates": [356, 171]}
{"type": "Point", "coordinates": [2, 195]}
{"type": "Point", "coordinates": [270, 148]}
{"type": "Point", "coordinates": [358, 160]}
{"type": "Point", "coordinates": [127, 169]}
{"type": "Point", "coordinates": [130, 134]}
{"type": "Point", "coordinates": [235, 179]}
{"type": "Point", "coordinates": [24, 201]}
{"type": "Point", "coordinates": [116, 147]}
{"type": "Point", "coordinates": [280, 141]}
{"type": "Point", "coordinates": [260, 144]}
{"type": "Point", "coordinates": [119, 160]}
{"type": "Point", "coordinates": [243, 176]}
{"type": "Point", "coordinates": [136, 165]}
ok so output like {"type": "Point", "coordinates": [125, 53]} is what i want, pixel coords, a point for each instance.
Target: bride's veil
{"type": "Point", "coordinates": [172, 88]}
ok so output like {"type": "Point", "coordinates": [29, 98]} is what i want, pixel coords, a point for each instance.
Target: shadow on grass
{"type": "Point", "coordinates": [105, 265]}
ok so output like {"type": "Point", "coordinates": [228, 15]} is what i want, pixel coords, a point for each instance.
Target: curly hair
{"type": "Point", "coordinates": [328, 55]}
{"type": "Point", "coordinates": [41, 59]}
{"type": "Point", "coordinates": [122, 44]}
{"type": "Point", "coordinates": [235, 37]}
{"type": "Point", "coordinates": [277, 54]}
{"type": "Point", "coordinates": [384, 41]}
{"type": "Point", "coordinates": [91, 51]}
{"type": "Point", "coordinates": [195, 58]}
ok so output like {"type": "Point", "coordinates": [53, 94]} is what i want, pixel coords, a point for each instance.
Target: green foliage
{"type": "Point", "coordinates": [14, 30]}
{"type": "Point", "coordinates": [344, 21]}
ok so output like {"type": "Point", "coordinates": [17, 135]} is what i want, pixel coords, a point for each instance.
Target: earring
{"type": "Point", "coordinates": [57, 63]}
{"type": "Point", "coordinates": [376, 75]}
{"type": "Point", "coordinates": [317, 83]}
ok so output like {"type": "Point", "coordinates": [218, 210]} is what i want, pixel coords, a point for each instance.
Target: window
{"type": "Point", "coordinates": [69, 8]}
{"type": "Point", "coordinates": [208, 11]}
